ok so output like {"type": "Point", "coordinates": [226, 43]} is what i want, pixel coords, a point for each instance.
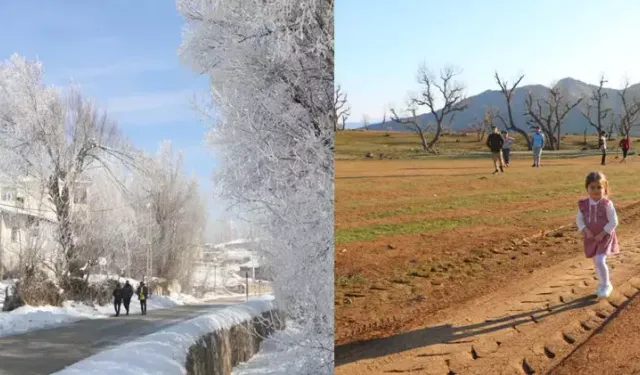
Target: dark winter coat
{"type": "Point", "coordinates": [127, 292]}
{"type": "Point", "coordinates": [117, 294]}
{"type": "Point", "coordinates": [142, 291]}
{"type": "Point", "coordinates": [495, 142]}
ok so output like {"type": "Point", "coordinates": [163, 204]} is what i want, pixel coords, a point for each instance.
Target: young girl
{"type": "Point", "coordinates": [597, 220]}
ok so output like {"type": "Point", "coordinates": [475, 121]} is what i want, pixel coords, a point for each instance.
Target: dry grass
{"type": "Point", "coordinates": [431, 233]}
{"type": "Point", "coordinates": [355, 144]}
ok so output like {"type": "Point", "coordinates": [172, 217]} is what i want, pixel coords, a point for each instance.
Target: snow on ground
{"type": "Point", "coordinates": [165, 352]}
{"type": "Point", "coordinates": [30, 318]}
{"type": "Point", "coordinates": [278, 357]}
{"type": "Point", "coordinates": [3, 287]}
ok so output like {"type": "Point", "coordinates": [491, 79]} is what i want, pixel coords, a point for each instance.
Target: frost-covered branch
{"type": "Point", "coordinates": [273, 130]}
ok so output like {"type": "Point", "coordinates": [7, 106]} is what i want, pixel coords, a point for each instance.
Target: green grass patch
{"type": "Point", "coordinates": [371, 232]}
{"type": "Point", "coordinates": [350, 280]}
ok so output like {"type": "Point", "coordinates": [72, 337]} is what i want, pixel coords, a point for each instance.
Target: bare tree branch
{"type": "Point", "coordinates": [508, 95]}
{"type": "Point", "coordinates": [596, 101]}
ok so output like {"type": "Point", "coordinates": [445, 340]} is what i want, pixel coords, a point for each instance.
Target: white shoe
{"type": "Point", "coordinates": [606, 291]}
{"type": "Point", "coordinates": [598, 290]}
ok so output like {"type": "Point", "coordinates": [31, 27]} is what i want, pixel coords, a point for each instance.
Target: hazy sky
{"type": "Point", "coordinates": [124, 54]}
{"type": "Point", "coordinates": [379, 44]}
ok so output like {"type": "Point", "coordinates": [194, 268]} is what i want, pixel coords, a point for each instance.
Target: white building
{"type": "Point", "coordinates": [28, 222]}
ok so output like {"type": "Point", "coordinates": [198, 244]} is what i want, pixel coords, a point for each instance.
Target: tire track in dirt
{"type": "Point", "coordinates": [524, 329]}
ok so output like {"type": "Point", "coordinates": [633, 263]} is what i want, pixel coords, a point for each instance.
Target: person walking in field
{"type": "Point", "coordinates": [506, 147]}
{"type": "Point", "coordinates": [602, 143]}
{"type": "Point", "coordinates": [143, 293]}
{"type": "Point", "coordinates": [625, 145]}
{"type": "Point", "coordinates": [495, 143]}
{"type": "Point", "coordinates": [537, 144]}
{"type": "Point", "coordinates": [597, 220]}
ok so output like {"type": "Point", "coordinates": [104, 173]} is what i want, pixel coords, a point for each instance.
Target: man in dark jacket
{"type": "Point", "coordinates": [127, 293]}
{"type": "Point", "coordinates": [495, 142]}
{"type": "Point", "coordinates": [143, 293]}
{"type": "Point", "coordinates": [117, 298]}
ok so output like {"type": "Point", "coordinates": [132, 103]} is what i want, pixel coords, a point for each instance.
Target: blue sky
{"type": "Point", "coordinates": [379, 44]}
{"type": "Point", "coordinates": [124, 54]}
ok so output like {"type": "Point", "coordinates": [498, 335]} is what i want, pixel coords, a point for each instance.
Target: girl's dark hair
{"type": "Point", "coordinates": [598, 177]}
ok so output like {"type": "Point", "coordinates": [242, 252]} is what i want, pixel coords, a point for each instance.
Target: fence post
{"type": "Point", "coordinates": [246, 275]}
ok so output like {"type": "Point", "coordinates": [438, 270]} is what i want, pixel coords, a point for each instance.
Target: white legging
{"type": "Point", "coordinates": [602, 271]}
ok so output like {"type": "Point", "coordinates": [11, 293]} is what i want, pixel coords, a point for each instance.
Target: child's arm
{"type": "Point", "coordinates": [580, 221]}
{"type": "Point", "coordinates": [612, 216]}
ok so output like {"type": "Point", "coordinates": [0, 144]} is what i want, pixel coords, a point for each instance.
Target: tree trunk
{"type": "Point", "coordinates": [558, 145]}
{"type": "Point", "coordinates": [436, 137]}
{"type": "Point", "coordinates": [423, 139]}
{"type": "Point", "coordinates": [585, 136]}
{"type": "Point", "coordinates": [512, 126]}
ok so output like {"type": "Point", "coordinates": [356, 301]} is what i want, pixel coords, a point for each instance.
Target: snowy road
{"type": "Point", "coordinates": [46, 351]}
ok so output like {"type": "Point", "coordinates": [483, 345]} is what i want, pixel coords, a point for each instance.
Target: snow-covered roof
{"type": "Point", "coordinates": [41, 214]}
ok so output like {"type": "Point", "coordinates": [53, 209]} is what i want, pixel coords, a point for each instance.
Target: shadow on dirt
{"type": "Point", "coordinates": [447, 333]}
{"type": "Point", "coordinates": [595, 332]}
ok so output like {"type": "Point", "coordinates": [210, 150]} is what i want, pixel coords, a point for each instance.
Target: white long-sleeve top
{"type": "Point", "coordinates": [612, 216]}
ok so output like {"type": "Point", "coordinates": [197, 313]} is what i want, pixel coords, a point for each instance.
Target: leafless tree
{"type": "Point", "coordinates": [549, 113]}
{"type": "Point", "coordinates": [508, 95]}
{"type": "Point", "coordinates": [596, 102]}
{"type": "Point", "coordinates": [482, 126]}
{"type": "Point", "coordinates": [630, 110]}
{"type": "Point", "coordinates": [384, 120]}
{"type": "Point", "coordinates": [342, 109]}
{"type": "Point", "coordinates": [365, 122]}
{"type": "Point", "coordinates": [451, 92]}
{"type": "Point", "coordinates": [413, 124]}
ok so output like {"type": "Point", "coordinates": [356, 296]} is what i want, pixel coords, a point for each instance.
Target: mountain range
{"type": "Point", "coordinates": [570, 87]}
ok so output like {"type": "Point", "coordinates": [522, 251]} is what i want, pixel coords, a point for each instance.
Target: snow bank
{"type": "Point", "coordinates": [3, 286]}
{"type": "Point", "coordinates": [165, 352]}
{"type": "Point", "coordinates": [30, 318]}
{"type": "Point", "coordinates": [278, 356]}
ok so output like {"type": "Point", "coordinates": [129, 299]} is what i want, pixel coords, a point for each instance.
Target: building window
{"type": "Point", "coordinates": [14, 234]}
{"type": "Point", "coordinates": [80, 196]}
{"type": "Point", "coordinates": [20, 201]}
{"type": "Point", "coordinates": [8, 194]}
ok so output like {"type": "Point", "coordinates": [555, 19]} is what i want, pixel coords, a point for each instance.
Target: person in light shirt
{"type": "Point", "coordinates": [602, 143]}
{"type": "Point", "coordinates": [537, 144]}
{"type": "Point", "coordinates": [506, 147]}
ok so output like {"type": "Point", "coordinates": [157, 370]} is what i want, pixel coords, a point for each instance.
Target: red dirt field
{"type": "Point", "coordinates": [429, 251]}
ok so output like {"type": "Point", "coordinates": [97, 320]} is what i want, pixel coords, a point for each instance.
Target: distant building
{"type": "Point", "coordinates": [28, 221]}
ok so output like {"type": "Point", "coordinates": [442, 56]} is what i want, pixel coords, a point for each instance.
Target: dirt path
{"type": "Point", "coordinates": [525, 328]}
{"type": "Point", "coordinates": [611, 350]}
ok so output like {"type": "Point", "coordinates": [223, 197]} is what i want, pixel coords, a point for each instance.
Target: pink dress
{"type": "Point", "coordinates": [595, 218]}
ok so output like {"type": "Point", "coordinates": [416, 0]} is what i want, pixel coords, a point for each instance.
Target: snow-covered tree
{"type": "Point", "coordinates": [270, 65]}
{"type": "Point", "coordinates": [177, 212]}
{"type": "Point", "coordinates": [54, 137]}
